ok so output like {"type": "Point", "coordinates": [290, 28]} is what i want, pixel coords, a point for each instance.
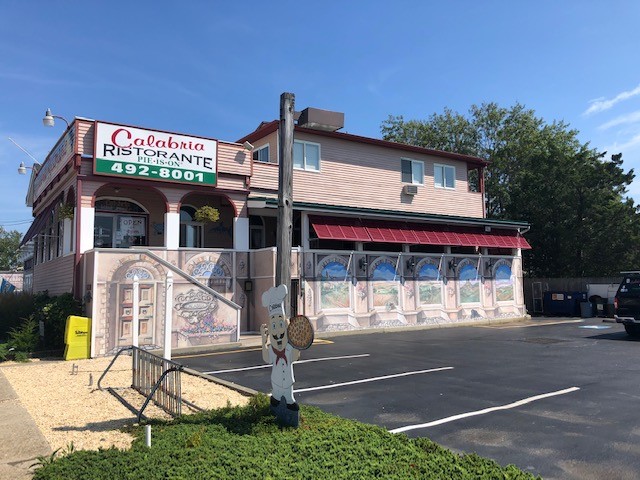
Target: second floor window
{"type": "Point", "coordinates": [412, 171]}
{"type": "Point", "coordinates": [261, 154]}
{"type": "Point", "coordinates": [306, 156]}
{"type": "Point", "coordinates": [444, 176]}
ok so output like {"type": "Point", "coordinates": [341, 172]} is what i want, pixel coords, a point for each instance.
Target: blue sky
{"type": "Point", "coordinates": [217, 69]}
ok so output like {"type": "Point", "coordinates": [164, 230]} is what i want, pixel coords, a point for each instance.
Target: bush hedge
{"type": "Point", "coordinates": [245, 442]}
{"type": "Point", "coordinates": [20, 317]}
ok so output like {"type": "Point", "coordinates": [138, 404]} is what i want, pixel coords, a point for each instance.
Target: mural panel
{"type": "Point", "coordinates": [384, 283]}
{"type": "Point", "coordinates": [468, 282]}
{"type": "Point", "coordinates": [334, 282]}
{"type": "Point", "coordinates": [429, 282]}
{"type": "Point", "coordinates": [503, 281]}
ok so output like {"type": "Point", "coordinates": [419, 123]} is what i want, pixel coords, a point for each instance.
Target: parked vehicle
{"type": "Point", "coordinates": [627, 303]}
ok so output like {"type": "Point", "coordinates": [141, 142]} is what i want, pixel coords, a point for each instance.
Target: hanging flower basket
{"type": "Point", "coordinates": [65, 211]}
{"type": "Point", "coordinates": [207, 214]}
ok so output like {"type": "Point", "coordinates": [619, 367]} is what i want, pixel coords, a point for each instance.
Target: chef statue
{"type": "Point", "coordinates": [277, 351]}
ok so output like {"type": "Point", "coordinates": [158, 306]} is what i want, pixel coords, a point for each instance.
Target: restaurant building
{"type": "Point", "coordinates": [384, 234]}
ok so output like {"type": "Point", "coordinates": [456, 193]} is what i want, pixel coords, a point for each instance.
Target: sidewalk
{"type": "Point", "coordinates": [20, 439]}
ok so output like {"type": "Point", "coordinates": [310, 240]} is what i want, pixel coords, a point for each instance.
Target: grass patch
{"type": "Point", "coordinates": [245, 442]}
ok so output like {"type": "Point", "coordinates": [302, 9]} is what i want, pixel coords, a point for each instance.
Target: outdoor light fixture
{"type": "Point", "coordinates": [411, 264]}
{"type": "Point", "coordinates": [22, 168]}
{"type": "Point", "coordinates": [362, 263]}
{"type": "Point", "coordinates": [49, 119]}
{"type": "Point", "coordinates": [453, 265]}
{"type": "Point", "coordinates": [247, 146]}
{"type": "Point", "coordinates": [489, 266]}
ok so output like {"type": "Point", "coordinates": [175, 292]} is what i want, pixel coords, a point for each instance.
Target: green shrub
{"type": "Point", "coordinates": [53, 314]}
{"type": "Point", "coordinates": [25, 337]}
{"type": "Point", "coordinates": [246, 442]}
{"type": "Point", "coordinates": [52, 311]}
{"type": "Point", "coordinates": [16, 306]}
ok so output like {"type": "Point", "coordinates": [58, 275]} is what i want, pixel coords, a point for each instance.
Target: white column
{"type": "Point", "coordinates": [241, 233]}
{"type": "Point", "coordinates": [304, 227]}
{"type": "Point", "coordinates": [85, 235]}
{"type": "Point", "coordinates": [135, 323]}
{"type": "Point", "coordinates": [171, 230]}
{"type": "Point", "coordinates": [168, 315]}
{"type": "Point", "coordinates": [66, 236]}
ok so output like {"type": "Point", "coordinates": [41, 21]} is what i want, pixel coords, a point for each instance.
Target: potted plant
{"type": "Point", "coordinates": [65, 210]}
{"type": "Point", "coordinates": [206, 214]}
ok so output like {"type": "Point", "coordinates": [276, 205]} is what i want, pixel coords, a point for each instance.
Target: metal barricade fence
{"type": "Point", "coordinates": [148, 370]}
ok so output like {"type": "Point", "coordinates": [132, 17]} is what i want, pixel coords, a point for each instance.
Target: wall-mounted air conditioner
{"type": "Point", "coordinates": [410, 189]}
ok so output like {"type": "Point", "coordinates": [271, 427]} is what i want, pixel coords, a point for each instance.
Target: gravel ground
{"type": "Point", "coordinates": [68, 408]}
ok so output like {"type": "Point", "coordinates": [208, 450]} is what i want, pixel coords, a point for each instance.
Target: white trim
{"type": "Point", "coordinates": [258, 149]}
{"type": "Point", "coordinates": [172, 230]}
{"type": "Point", "coordinates": [444, 182]}
{"type": "Point", "coordinates": [94, 303]}
{"type": "Point", "coordinates": [241, 233]}
{"type": "Point", "coordinates": [412, 182]}
{"type": "Point", "coordinates": [304, 167]}
{"type": "Point", "coordinates": [87, 222]}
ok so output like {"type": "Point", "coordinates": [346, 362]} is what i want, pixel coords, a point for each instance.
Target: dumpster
{"type": "Point", "coordinates": [77, 338]}
{"type": "Point", "coordinates": [563, 303]}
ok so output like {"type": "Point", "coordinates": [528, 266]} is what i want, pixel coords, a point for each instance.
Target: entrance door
{"type": "Point", "coordinates": [114, 230]}
{"type": "Point", "coordinates": [146, 309]}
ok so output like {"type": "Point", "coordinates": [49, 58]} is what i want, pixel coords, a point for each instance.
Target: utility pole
{"type": "Point", "coordinates": [285, 196]}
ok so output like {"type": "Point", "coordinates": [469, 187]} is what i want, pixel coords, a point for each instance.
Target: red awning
{"type": "Point", "coordinates": [335, 228]}
{"type": "Point", "coordinates": [390, 232]}
{"type": "Point", "coordinates": [38, 223]}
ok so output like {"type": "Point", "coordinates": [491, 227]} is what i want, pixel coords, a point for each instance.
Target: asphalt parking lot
{"type": "Point", "coordinates": [556, 397]}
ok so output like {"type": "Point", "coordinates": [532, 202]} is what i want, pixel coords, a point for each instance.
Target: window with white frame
{"type": "Point", "coordinates": [444, 176]}
{"type": "Point", "coordinates": [306, 156]}
{"type": "Point", "coordinates": [261, 154]}
{"type": "Point", "coordinates": [412, 171]}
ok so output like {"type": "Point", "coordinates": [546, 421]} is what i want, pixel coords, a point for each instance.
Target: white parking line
{"type": "Point", "coordinates": [486, 410]}
{"type": "Point", "coordinates": [373, 379]}
{"type": "Point", "coordinates": [267, 365]}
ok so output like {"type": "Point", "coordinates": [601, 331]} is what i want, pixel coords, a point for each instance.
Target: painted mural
{"type": "Point", "coordinates": [384, 283]}
{"type": "Point", "coordinates": [334, 283]}
{"type": "Point", "coordinates": [201, 320]}
{"type": "Point", "coordinates": [503, 281]}
{"type": "Point", "coordinates": [429, 282]}
{"type": "Point", "coordinates": [468, 282]}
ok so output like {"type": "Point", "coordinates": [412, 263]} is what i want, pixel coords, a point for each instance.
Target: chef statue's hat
{"type": "Point", "coordinates": [273, 299]}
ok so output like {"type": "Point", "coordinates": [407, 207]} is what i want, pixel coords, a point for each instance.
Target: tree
{"type": "Point", "coordinates": [582, 223]}
{"type": "Point", "coordinates": [9, 249]}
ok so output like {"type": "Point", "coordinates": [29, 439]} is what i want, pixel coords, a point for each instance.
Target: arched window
{"type": "Point", "coordinates": [191, 232]}
{"type": "Point", "coordinates": [119, 224]}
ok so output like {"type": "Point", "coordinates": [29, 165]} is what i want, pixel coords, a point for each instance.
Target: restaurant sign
{"type": "Point", "coordinates": [149, 154]}
{"type": "Point", "coordinates": [55, 161]}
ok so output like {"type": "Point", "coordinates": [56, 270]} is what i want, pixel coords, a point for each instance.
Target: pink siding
{"type": "Point", "coordinates": [362, 175]}
{"type": "Point", "coordinates": [56, 276]}
{"type": "Point", "coordinates": [85, 137]}
{"type": "Point", "coordinates": [234, 159]}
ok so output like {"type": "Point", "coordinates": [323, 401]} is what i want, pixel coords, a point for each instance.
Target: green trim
{"type": "Point", "coordinates": [397, 214]}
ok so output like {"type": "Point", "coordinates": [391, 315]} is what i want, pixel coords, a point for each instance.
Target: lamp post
{"type": "Point", "coordinates": [49, 119]}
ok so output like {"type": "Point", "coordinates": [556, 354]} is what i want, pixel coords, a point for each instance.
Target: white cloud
{"type": "Point", "coordinates": [602, 104]}
{"type": "Point", "coordinates": [633, 117]}
{"type": "Point", "coordinates": [632, 143]}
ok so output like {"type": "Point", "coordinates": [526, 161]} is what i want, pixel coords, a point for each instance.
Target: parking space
{"type": "Point", "coordinates": [555, 397]}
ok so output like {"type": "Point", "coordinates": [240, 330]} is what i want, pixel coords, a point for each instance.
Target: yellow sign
{"type": "Point", "coordinates": [77, 338]}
